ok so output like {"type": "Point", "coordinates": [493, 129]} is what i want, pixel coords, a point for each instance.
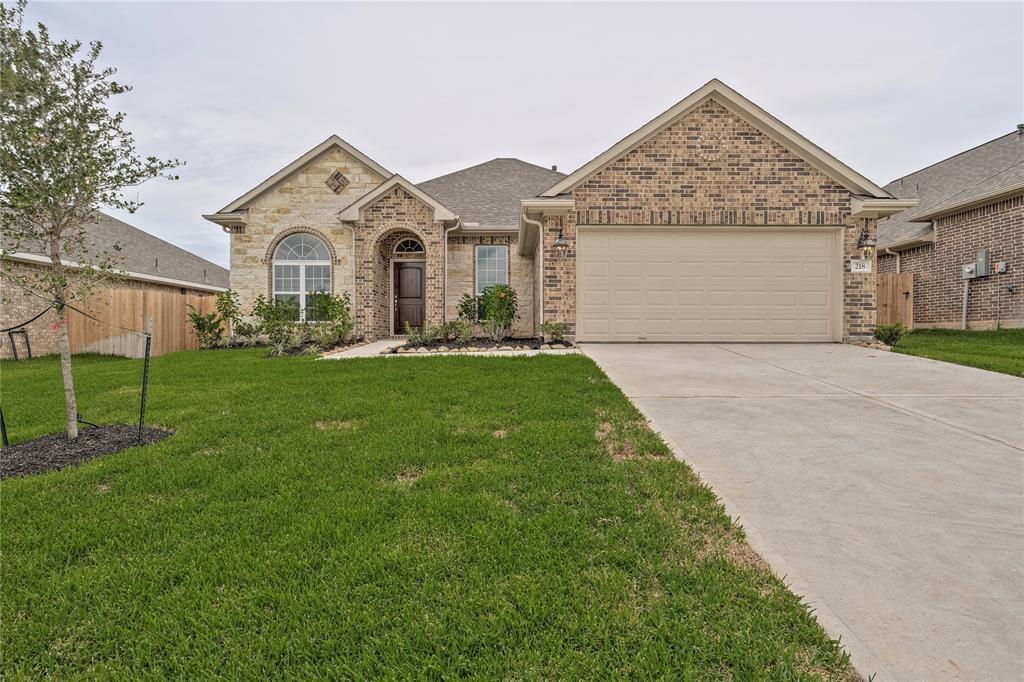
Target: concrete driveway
{"type": "Point", "coordinates": [887, 489]}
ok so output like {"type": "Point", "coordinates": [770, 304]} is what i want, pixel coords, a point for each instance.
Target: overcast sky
{"type": "Point", "coordinates": [238, 90]}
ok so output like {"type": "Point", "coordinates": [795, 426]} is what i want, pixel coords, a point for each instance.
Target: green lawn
{"type": "Point", "coordinates": [998, 350]}
{"type": "Point", "coordinates": [395, 518]}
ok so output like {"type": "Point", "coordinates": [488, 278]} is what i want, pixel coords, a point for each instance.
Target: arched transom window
{"type": "Point", "coordinates": [407, 246]}
{"type": "Point", "coordinates": [302, 267]}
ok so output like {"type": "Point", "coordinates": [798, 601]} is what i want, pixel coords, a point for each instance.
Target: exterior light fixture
{"type": "Point", "coordinates": [561, 246]}
{"type": "Point", "coordinates": [865, 243]}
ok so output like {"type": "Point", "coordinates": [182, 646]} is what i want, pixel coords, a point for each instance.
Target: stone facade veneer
{"type": "Point", "coordinates": [462, 276]}
{"type": "Point", "coordinates": [709, 167]}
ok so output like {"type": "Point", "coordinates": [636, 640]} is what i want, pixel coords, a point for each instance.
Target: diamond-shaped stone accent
{"type": "Point", "coordinates": [337, 182]}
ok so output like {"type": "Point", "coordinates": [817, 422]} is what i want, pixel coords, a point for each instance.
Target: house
{"type": "Point", "coordinates": [713, 222]}
{"type": "Point", "coordinates": [158, 280]}
{"type": "Point", "coordinates": [971, 202]}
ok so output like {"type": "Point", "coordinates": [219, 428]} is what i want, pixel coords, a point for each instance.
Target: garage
{"type": "Point", "coordinates": [720, 284]}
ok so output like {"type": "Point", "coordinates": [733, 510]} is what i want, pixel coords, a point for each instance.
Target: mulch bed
{"type": "Point", "coordinates": [54, 451]}
{"type": "Point", "coordinates": [479, 345]}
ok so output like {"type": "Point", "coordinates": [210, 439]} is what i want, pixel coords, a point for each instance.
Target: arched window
{"type": "Point", "coordinates": [302, 266]}
{"type": "Point", "coordinates": [407, 246]}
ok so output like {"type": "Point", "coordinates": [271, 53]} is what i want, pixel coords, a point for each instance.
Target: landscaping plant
{"type": "Point", "coordinates": [890, 334]}
{"type": "Point", "coordinates": [554, 332]}
{"type": "Point", "coordinates": [208, 327]}
{"type": "Point", "coordinates": [498, 310]}
{"type": "Point", "coordinates": [469, 308]}
{"type": "Point", "coordinates": [63, 155]}
{"type": "Point", "coordinates": [331, 320]}
{"type": "Point", "coordinates": [229, 311]}
{"type": "Point", "coordinates": [280, 322]}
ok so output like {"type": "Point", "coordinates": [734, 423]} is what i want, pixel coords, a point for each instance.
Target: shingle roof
{"type": "Point", "coordinates": [143, 253]}
{"type": "Point", "coordinates": [489, 193]}
{"type": "Point", "coordinates": [958, 180]}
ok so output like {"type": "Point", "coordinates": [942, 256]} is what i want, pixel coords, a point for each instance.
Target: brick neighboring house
{"type": "Point", "coordinates": [159, 279]}
{"type": "Point", "coordinates": [713, 222]}
{"type": "Point", "coordinates": [969, 202]}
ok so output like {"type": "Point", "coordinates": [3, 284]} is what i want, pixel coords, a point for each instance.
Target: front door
{"type": "Point", "coordinates": [410, 295]}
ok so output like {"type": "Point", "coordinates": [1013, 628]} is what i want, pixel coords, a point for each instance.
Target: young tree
{"type": "Point", "coordinates": [63, 154]}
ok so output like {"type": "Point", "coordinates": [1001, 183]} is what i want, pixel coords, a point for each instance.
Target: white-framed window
{"type": "Point", "coordinates": [491, 266]}
{"type": "Point", "coordinates": [302, 266]}
{"type": "Point", "coordinates": [408, 246]}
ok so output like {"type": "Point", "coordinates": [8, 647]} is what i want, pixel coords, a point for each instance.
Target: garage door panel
{"type": "Point", "coordinates": [706, 285]}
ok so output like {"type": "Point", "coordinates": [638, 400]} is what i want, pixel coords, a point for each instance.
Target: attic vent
{"type": "Point", "coordinates": [337, 182]}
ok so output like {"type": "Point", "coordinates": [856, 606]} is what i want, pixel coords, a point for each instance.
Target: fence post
{"type": "Point", "coordinates": [145, 376]}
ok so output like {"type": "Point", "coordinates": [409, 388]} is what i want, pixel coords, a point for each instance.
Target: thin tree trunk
{"type": "Point", "coordinates": [60, 299]}
{"type": "Point", "coordinates": [70, 403]}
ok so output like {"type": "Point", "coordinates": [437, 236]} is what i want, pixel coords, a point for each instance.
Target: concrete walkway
{"type": "Point", "coordinates": [887, 489]}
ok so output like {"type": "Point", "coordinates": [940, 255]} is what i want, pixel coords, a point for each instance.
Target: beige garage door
{"type": "Point", "coordinates": [718, 284]}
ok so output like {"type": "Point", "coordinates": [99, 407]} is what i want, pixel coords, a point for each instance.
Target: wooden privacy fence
{"type": "Point", "coordinates": [122, 313]}
{"type": "Point", "coordinates": [895, 298]}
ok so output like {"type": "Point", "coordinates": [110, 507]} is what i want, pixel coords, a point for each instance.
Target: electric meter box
{"type": "Point", "coordinates": [969, 271]}
{"type": "Point", "coordinates": [981, 264]}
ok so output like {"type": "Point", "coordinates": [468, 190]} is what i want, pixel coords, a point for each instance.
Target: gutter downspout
{"type": "Point", "coordinates": [540, 248]}
{"type": "Point", "coordinates": [444, 275]}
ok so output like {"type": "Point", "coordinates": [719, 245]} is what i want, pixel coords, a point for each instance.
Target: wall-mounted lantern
{"type": "Point", "coordinates": [865, 243]}
{"type": "Point", "coordinates": [561, 246]}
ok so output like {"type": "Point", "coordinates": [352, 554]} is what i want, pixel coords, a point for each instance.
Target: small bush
{"type": "Point", "coordinates": [331, 320]}
{"type": "Point", "coordinates": [469, 308]}
{"type": "Point", "coordinates": [890, 334]}
{"type": "Point", "coordinates": [229, 311]}
{"type": "Point", "coordinates": [498, 309]}
{"type": "Point", "coordinates": [553, 331]}
{"type": "Point", "coordinates": [248, 333]}
{"type": "Point", "coordinates": [464, 331]}
{"type": "Point", "coordinates": [207, 326]}
{"type": "Point", "coordinates": [280, 322]}
{"type": "Point", "coordinates": [420, 336]}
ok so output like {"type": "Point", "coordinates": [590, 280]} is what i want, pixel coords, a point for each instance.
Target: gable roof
{"type": "Point", "coordinates": [284, 173]}
{"type": "Point", "coordinates": [977, 175]}
{"type": "Point", "coordinates": [351, 212]}
{"type": "Point", "coordinates": [489, 193]}
{"type": "Point", "coordinates": [745, 109]}
{"type": "Point", "coordinates": [143, 254]}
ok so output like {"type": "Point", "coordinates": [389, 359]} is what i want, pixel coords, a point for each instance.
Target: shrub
{"type": "Point", "coordinates": [420, 336]}
{"type": "Point", "coordinates": [207, 326]}
{"type": "Point", "coordinates": [890, 334]}
{"type": "Point", "coordinates": [469, 308]}
{"type": "Point", "coordinates": [331, 323]}
{"type": "Point", "coordinates": [248, 333]}
{"type": "Point", "coordinates": [279, 321]}
{"type": "Point", "coordinates": [229, 311]}
{"type": "Point", "coordinates": [554, 331]}
{"type": "Point", "coordinates": [498, 309]}
{"type": "Point", "coordinates": [464, 331]}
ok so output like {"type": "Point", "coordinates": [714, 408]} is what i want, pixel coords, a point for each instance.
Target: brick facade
{"type": "Point", "coordinates": [709, 167]}
{"type": "Point", "coordinates": [391, 218]}
{"type": "Point", "coordinates": [938, 286]}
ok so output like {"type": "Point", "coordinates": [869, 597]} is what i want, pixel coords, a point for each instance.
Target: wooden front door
{"type": "Point", "coordinates": [410, 295]}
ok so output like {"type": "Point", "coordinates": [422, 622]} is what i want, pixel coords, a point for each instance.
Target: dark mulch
{"type": "Point", "coordinates": [533, 343]}
{"type": "Point", "coordinates": [54, 451]}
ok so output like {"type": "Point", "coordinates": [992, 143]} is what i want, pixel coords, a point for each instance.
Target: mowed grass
{"type": "Point", "coordinates": [1000, 350]}
{"type": "Point", "coordinates": [381, 518]}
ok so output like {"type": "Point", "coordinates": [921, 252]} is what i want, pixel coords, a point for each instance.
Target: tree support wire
{"type": "Point", "coordinates": [145, 377]}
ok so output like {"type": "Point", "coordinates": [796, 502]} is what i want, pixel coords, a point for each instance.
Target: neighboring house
{"type": "Point", "coordinates": [967, 203]}
{"type": "Point", "coordinates": [713, 222]}
{"type": "Point", "coordinates": [158, 280]}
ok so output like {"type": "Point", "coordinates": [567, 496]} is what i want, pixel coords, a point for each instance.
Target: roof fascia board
{"type": "Point", "coordinates": [284, 173]}
{"type": "Point", "coordinates": [140, 276]}
{"type": "Point", "coordinates": [873, 207]}
{"type": "Point", "coordinates": [909, 243]}
{"type": "Point", "coordinates": [747, 110]}
{"type": "Point", "coordinates": [351, 212]}
{"type": "Point", "coordinates": [947, 209]}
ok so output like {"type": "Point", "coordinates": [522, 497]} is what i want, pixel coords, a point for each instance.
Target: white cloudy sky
{"type": "Point", "coordinates": [240, 89]}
